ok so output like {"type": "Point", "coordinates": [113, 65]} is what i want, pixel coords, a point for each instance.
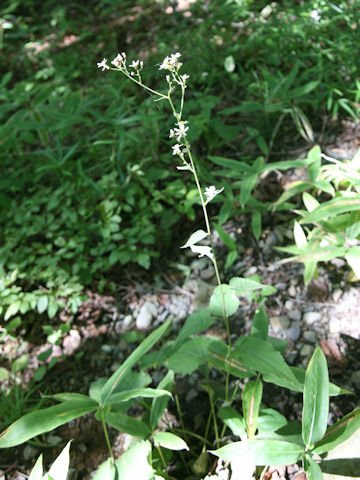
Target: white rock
{"type": "Point", "coordinates": [147, 312]}
{"type": "Point", "coordinates": [292, 291]}
{"type": "Point", "coordinates": [311, 317]}
{"type": "Point", "coordinates": [127, 321]}
{"type": "Point", "coordinates": [336, 295]}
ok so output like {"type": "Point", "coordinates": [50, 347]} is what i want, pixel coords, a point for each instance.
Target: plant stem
{"type": "Point", "coordinates": [106, 435]}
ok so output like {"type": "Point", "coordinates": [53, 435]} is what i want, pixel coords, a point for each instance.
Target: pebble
{"type": "Point", "coordinates": [336, 295]}
{"type": "Point", "coordinates": [311, 317]}
{"type": "Point", "coordinates": [207, 273]}
{"type": "Point", "coordinates": [295, 315]}
{"type": "Point", "coordinates": [29, 452]}
{"type": "Point", "coordinates": [289, 305]}
{"type": "Point", "coordinates": [250, 271]}
{"type": "Point", "coordinates": [280, 286]}
{"type": "Point", "coordinates": [279, 323]}
{"type": "Point", "coordinates": [292, 291]}
{"type": "Point", "coordinates": [306, 350]}
{"type": "Point", "coordinates": [293, 333]}
{"type": "Point", "coordinates": [335, 325]}
{"type": "Point", "coordinates": [127, 321]}
{"type": "Point", "coordinates": [310, 336]}
{"type": "Point", "coordinates": [146, 314]}
{"type": "Point", "coordinates": [71, 342]}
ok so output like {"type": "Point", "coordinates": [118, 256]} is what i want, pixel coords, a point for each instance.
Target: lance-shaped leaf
{"type": "Point", "coordinates": [124, 369]}
{"type": "Point", "coordinates": [339, 432]}
{"type": "Point", "coordinates": [134, 463]}
{"type": "Point", "coordinates": [37, 471]}
{"type": "Point", "coordinates": [134, 393]}
{"type": "Point", "coordinates": [269, 420]}
{"type": "Point", "coordinates": [260, 325]}
{"type": "Point", "coordinates": [332, 208]}
{"type": "Point", "coordinates": [59, 469]}
{"type": "Point", "coordinates": [233, 420]}
{"type": "Point", "coordinates": [170, 441]}
{"type": "Point", "coordinates": [218, 355]}
{"type": "Point", "coordinates": [127, 424]}
{"type": "Point", "coordinates": [261, 452]}
{"type": "Point", "coordinates": [159, 404]}
{"type": "Point", "coordinates": [316, 399]}
{"type": "Point", "coordinates": [195, 323]}
{"type": "Point", "coordinates": [251, 399]}
{"type": "Point", "coordinates": [41, 421]}
{"type": "Point", "coordinates": [312, 469]}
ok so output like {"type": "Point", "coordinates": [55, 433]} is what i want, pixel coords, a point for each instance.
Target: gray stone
{"type": "Point", "coordinates": [127, 321]}
{"type": "Point", "coordinates": [311, 317]}
{"type": "Point", "coordinates": [147, 312]}
{"type": "Point", "coordinates": [29, 452]}
{"type": "Point", "coordinates": [295, 314]}
{"type": "Point", "coordinates": [279, 323]}
{"type": "Point", "coordinates": [293, 333]}
{"type": "Point", "coordinates": [289, 305]}
{"type": "Point", "coordinates": [310, 336]}
{"type": "Point", "coordinates": [250, 271]}
{"type": "Point", "coordinates": [207, 273]}
{"type": "Point", "coordinates": [280, 286]}
{"type": "Point", "coordinates": [306, 350]}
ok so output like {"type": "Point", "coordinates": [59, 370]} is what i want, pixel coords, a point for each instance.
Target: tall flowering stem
{"type": "Point", "coordinates": [182, 149]}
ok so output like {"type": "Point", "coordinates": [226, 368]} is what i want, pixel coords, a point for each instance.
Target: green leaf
{"type": "Point", "coordinates": [20, 363]}
{"type": "Point", "coordinates": [339, 432]}
{"type": "Point", "coordinates": [230, 259]}
{"type": "Point", "coordinates": [170, 441]}
{"type": "Point", "coordinates": [243, 286]}
{"type": "Point", "coordinates": [316, 399]}
{"type": "Point", "coordinates": [159, 404]}
{"type": "Point", "coordinates": [59, 469]}
{"type": "Point", "coordinates": [135, 393]}
{"type": "Point", "coordinates": [134, 464]}
{"type": "Point", "coordinates": [233, 420]}
{"type": "Point", "coordinates": [332, 208]}
{"type": "Point", "coordinates": [124, 369]}
{"type": "Point", "coordinates": [195, 323]}
{"type": "Point", "coordinates": [190, 355]}
{"type": "Point", "coordinates": [256, 354]}
{"type": "Point", "coordinates": [353, 259]}
{"type": "Point", "coordinates": [299, 235]}
{"type": "Point", "coordinates": [37, 471]}
{"type": "Point", "coordinates": [71, 397]}
{"type": "Point", "coordinates": [269, 420]}
{"type": "Point", "coordinates": [42, 304]}
{"type": "Point", "coordinates": [246, 187]}
{"type": "Point", "coordinates": [106, 471]}
{"type": "Point", "coordinates": [261, 452]}
{"type": "Point", "coordinates": [231, 164]}
{"type": "Point", "coordinates": [312, 469]}
{"type": "Point", "coordinates": [260, 326]}
{"type": "Point", "coordinates": [251, 399]}
{"type": "Point", "coordinates": [334, 390]}
{"type": "Point", "coordinates": [256, 224]}
{"type": "Point", "coordinates": [130, 425]}
{"type": "Point", "coordinates": [310, 202]}
{"type": "Point", "coordinates": [219, 357]}
{"type": "Point", "coordinates": [304, 90]}
{"type": "Point", "coordinates": [41, 421]}
{"type": "Point", "coordinates": [309, 271]}
{"type": "Point", "coordinates": [225, 237]}
{"type": "Point", "coordinates": [223, 300]}
{"type": "Point", "coordinates": [12, 309]}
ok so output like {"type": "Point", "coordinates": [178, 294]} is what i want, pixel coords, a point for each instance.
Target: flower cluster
{"type": "Point", "coordinates": [103, 64]}
{"type": "Point", "coordinates": [171, 63]}
{"type": "Point", "coordinates": [120, 61]}
{"type": "Point", "coordinates": [211, 192]}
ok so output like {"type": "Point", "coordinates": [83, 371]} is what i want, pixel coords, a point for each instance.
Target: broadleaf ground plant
{"type": "Point", "coordinates": [266, 437]}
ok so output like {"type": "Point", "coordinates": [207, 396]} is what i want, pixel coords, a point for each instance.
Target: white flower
{"type": "Point", "coordinates": [184, 77]}
{"type": "Point", "coordinates": [171, 63]}
{"type": "Point", "coordinates": [135, 64]}
{"type": "Point", "coordinates": [177, 149]}
{"type": "Point", "coordinates": [211, 192]}
{"type": "Point", "coordinates": [172, 133]}
{"type": "Point", "coordinates": [120, 60]}
{"type": "Point", "coordinates": [103, 65]}
{"type": "Point", "coordinates": [180, 131]}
